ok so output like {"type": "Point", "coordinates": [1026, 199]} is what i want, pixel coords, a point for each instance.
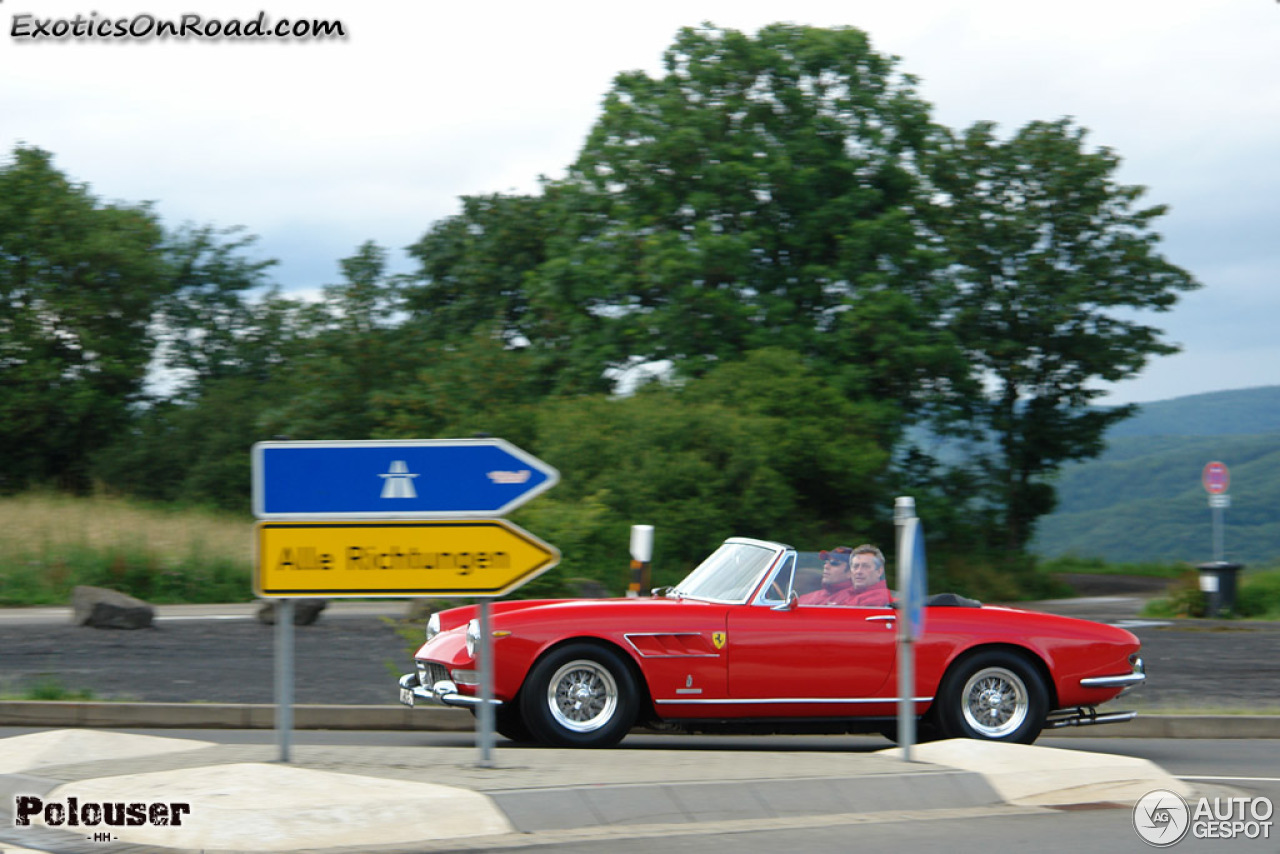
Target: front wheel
{"type": "Point", "coordinates": [580, 695]}
{"type": "Point", "coordinates": [993, 696]}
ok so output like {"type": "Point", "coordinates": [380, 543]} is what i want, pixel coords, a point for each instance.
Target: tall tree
{"type": "Point", "coordinates": [749, 197]}
{"type": "Point", "coordinates": [79, 281]}
{"type": "Point", "coordinates": [1051, 261]}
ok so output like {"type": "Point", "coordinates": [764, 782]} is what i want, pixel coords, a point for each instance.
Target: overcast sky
{"type": "Point", "coordinates": [316, 145]}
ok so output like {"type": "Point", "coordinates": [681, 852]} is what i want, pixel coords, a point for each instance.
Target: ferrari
{"type": "Point", "coordinates": [745, 644]}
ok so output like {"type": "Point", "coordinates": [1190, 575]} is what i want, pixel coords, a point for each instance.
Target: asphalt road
{"type": "Point", "coordinates": [353, 656]}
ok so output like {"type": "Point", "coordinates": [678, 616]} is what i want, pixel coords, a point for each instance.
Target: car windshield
{"type": "Point", "coordinates": [730, 573]}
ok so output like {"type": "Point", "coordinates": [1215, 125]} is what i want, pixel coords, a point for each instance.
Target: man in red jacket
{"type": "Point", "coordinates": [851, 577]}
{"type": "Point", "coordinates": [866, 567]}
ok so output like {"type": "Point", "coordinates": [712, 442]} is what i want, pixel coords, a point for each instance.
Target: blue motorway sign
{"type": "Point", "coordinates": [408, 479]}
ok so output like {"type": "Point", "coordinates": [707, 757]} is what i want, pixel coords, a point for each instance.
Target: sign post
{"type": "Point", "coordinates": [393, 518]}
{"type": "Point", "coordinates": [1216, 478]}
{"type": "Point", "coordinates": [912, 585]}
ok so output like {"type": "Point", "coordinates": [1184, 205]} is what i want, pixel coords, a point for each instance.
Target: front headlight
{"type": "Point", "coordinates": [473, 637]}
{"type": "Point", "coordinates": [433, 625]}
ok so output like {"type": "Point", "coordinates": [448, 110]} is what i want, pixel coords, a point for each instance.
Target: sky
{"type": "Point", "coordinates": [316, 145]}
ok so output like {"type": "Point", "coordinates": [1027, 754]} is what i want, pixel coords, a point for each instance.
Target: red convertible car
{"type": "Point", "coordinates": [734, 647]}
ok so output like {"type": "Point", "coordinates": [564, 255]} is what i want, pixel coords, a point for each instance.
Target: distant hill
{"type": "Point", "coordinates": [1142, 499]}
{"type": "Point", "coordinates": [1219, 413]}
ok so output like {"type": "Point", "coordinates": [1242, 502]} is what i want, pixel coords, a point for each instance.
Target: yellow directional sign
{"type": "Point", "coordinates": [455, 557]}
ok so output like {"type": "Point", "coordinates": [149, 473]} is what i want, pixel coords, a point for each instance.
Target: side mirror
{"type": "Point", "coordinates": [792, 600]}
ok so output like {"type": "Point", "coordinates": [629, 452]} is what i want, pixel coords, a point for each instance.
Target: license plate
{"type": "Point", "coordinates": [406, 696]}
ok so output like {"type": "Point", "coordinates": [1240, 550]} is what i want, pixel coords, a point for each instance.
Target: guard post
{"type": "Point", "coordinates": [641, 555]}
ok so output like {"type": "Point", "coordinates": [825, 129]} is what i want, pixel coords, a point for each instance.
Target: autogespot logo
{"type": "Point", "coordinates": [1161, 818]}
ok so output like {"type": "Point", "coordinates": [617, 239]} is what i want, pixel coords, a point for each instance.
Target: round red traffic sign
{"type": "Point", "coordinates": [1216, 478]}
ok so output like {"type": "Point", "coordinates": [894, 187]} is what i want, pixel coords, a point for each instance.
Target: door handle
{"type": "Point", "coordinates": [881, 617]}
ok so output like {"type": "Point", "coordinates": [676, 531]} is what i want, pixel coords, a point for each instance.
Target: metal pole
{"type": "Point", "coordinates": [1217, 532]}
{"type": "Point", "coordinates": [284, 676]}
{"type": "Point", "coordinates": [904, 512]}
{"type": "Point", "coordinates": [484, 717]}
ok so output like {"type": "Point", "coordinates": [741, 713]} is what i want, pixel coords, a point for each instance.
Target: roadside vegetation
{"type": "Point", "coordinates": [47, 689]}
{"type": "Point", "coordinates": [1071, 564]}
{"type": "Point", "coordinates": [1257, 596]}
{"type": "Point", "coordinates": [49, 543]}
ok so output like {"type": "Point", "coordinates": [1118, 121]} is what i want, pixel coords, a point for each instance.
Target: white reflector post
{"type": "Point", "coordinates": [641, 554]}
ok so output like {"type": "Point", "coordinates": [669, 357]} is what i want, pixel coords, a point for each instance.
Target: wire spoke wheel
{"type": "Point", "coordinates": [582, 696]}
{"type": "Point", "coordinates": [992, 695]}
{"type": "Point", "coordinates": [995, 702]}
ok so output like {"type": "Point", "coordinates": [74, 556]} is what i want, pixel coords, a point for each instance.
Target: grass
{"type": "Point", "coordinates": [48, 689]}
{"type": "Point", "coordinates": [50, 543]}
{"type": "Point", "coordinates": [1098, 566]}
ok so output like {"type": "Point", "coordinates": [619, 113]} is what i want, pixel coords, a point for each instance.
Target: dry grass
{"type": "Point", "coordinates": [50, 543]}
{"type": "Point", "coordinates": [35, 524]}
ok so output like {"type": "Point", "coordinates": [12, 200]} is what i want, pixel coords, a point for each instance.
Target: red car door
{"type": "Point", "coordinates": [812, 660]}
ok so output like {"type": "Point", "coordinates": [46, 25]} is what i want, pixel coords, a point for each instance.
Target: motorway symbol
{"type": "Point", "coordinates": [464, 557]}
{"type": "Point", "coordinates": [413, 479]}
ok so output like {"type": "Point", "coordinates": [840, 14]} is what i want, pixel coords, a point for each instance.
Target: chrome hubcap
{"type": "Point", "coordinates": [582, 696]}
{"type": "Point", "coordinates": [995, 702]}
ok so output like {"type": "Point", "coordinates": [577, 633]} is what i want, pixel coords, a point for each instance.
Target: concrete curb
{"type": "Point", "coordinates": [23, 713]}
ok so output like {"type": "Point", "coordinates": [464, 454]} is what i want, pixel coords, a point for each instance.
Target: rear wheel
{"type": "Point", "coordinates": [992, 696]}
{"type": "Point", "coordinates": [580, 695]}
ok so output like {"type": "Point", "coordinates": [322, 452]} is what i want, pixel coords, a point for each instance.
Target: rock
{"type": "Point", "coordinates": [305, 611]}
{"type": "Point", "coordinates": [101, 608]}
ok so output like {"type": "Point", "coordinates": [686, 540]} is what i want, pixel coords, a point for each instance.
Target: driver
{"type": "Point", "coordinates": [837, 580]}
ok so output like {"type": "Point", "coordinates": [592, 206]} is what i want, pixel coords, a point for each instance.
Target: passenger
{"type": "Point", "coordinates": [837, 580]}
{"type": "Point", "coordinates": [866, 567]}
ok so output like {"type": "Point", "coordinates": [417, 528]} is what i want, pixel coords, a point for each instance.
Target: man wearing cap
{"type": "Point", "coordinates": [851, 577]}
{"type": "Point", "coordinates": [837, 580]}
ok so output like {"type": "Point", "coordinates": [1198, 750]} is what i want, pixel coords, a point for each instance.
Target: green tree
{"type": "Point", "coordinates": [209, 327]}
{"type": "Point", "coordinates": [79, 282]}
{"type": "Point", "coordinates": [349, 349]}
{"type": "Point", "coordinates": [749, 197]}
{"type": "Point", "coordinates": [1051, 260]}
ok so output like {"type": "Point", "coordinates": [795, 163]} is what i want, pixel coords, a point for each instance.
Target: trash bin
{"type": "Point", "coordinates": [1218, 583]}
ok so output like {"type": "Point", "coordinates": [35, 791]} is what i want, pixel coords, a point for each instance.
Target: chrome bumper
{"type": "Point", "coordinates": [443, 693]}
{"type": "Point", "coordinates": [1124, 680]}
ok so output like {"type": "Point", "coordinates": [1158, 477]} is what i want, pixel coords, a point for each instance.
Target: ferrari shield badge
{"type": "Point", "coordinates": [718, 638]}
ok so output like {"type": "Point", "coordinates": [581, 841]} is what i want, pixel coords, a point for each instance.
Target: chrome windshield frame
{"type": "Point", "coordinates": [776, 552]}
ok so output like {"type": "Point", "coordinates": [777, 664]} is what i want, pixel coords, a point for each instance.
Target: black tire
{"type": "Point", "coordinates": [992, 696]}
{"type": "Point", "coordinates": [580, 695]}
